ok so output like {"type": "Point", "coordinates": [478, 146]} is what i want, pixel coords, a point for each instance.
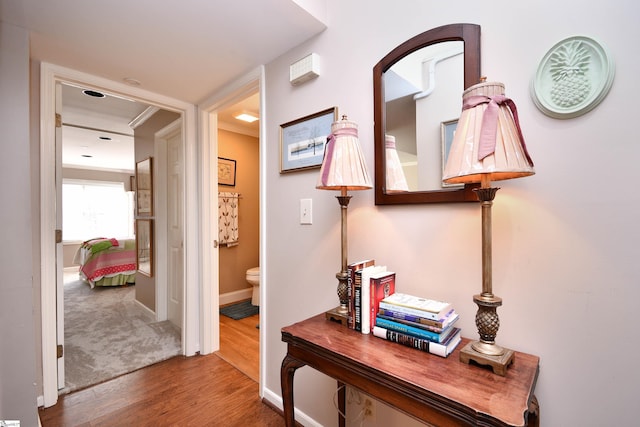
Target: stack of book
{"type": "Point", "coordinates": [425, 324]}
{"type": "Point", "coordinates": [367, 285]}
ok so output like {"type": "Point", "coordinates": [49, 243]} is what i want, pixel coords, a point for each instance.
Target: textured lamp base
{"type": "Point", "coordinates": [337, 315]}
{"type": "Point", "coordinates": [499, 364]}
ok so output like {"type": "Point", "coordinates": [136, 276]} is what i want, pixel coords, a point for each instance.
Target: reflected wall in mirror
{"type": "Point", "coordinates": [417, 88]}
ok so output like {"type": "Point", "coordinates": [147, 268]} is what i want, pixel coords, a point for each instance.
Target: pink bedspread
{"type": "Point", "coordinates": [117, 259]}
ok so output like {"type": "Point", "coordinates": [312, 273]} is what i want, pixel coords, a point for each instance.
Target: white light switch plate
{"type": "Point", "coordinates": [305, 211]}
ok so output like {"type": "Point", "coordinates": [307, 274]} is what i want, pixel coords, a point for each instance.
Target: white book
{"type": "Point", "coordinates": [365, 303]}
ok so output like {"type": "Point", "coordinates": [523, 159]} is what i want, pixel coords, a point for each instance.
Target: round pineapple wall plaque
{"type": "Point", "coordinates": [572, 78]}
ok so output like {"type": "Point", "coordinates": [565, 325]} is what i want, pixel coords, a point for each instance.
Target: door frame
{"type": "Point", "coordinates": [233, 92]}
{"type": "Point", "coordinates": [49, 75]}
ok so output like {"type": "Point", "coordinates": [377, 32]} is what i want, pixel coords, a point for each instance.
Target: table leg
{"type": "Point", "coordinates": [342, 406]}
{"type": "Point", "coordinates": [534, 413]}
{"type": "Point", "coordinates": [288, 369]}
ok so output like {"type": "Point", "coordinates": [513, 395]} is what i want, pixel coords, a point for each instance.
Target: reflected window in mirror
{"type": "Point", "coordinates": [417, 90]}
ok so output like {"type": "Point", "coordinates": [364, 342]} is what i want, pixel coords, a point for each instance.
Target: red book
{"type": "Point", "coordinates": [382, 285]}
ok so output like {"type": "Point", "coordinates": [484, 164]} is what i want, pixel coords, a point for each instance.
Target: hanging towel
{"type": "Point", "coordinates": [228, 218]}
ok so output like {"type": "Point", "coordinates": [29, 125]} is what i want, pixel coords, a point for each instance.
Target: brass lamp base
{"type": "Point", "coordinates": [337, 315]}
{"type": "Point", "coordinates": [499, 363]}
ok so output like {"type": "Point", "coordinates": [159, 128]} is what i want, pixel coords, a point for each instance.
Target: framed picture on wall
{"type": "Point", "coordinates": [226, 171]}
{"type": "Point", "coordinates": [302, 141]}
{"type": "Point", "coordinates": [448, 130]}
{"type": "Point", "coordinates": [144, 187]}
{"type": "Point", "coordinates": [144, 246]}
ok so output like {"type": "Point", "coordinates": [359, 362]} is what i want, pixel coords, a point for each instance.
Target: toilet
{"type": "Point", "coordinates": [253, 277]}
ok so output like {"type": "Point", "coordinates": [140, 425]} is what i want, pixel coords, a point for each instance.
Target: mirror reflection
{"type": "Point", "coordinates": [422, 101]}
{"type": "Point", "coordinates": [417, 95]}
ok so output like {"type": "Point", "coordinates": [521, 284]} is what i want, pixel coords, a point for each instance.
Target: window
{"type": "Point", "coordinates": [93, 209]}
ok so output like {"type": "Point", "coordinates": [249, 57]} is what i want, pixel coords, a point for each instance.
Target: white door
{"type": "Point", "coordinates": [175, 267]}
{"type": "Point", "coordinates": [59, 247]}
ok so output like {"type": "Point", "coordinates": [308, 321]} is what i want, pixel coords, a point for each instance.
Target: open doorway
{"type": "Point", "coordinates": [111, 322]}
{"type": "Point", "coordinates": [210, 109]}
{"type": "Point", "coordinates": [238, 145]}
{"type": "Point", "coordinates": [51, 248]}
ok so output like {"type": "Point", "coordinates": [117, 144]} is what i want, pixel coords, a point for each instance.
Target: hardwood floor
{"type": "Point", "coordinates": [240, 344]}
{"type": "Point", "coordinates": [183, 391]}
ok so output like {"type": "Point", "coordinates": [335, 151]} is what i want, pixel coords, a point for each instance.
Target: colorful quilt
{"type": "Point", "coordinates": [102, 258]}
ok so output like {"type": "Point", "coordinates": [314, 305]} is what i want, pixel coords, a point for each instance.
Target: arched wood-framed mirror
{"type": "Point", "coordinates": [423, 77]}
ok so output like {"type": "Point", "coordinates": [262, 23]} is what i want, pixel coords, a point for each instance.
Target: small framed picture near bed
{"type": "Point", "coordinates": [144, 246]}
{"type": "Point", "coordinates": [144, 190]}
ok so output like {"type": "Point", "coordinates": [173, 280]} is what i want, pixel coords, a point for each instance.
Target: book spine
{"type": "Point", "coordinates": [417, 324]}
{"type": "Point", "coordinates": [381, 287]}
{"type": "Point", "coordinates": [407, 310]}
{"type": "Point", "coordinates": [357, 301]}
{"type": "Point", "coordinates": [406, 329]}
{"type": "Point", "coordinates": [411, 318]}
{"type": "Point", "coordinates": [350, 274]}
{"type": "Point", "coordinates": [410, 341]}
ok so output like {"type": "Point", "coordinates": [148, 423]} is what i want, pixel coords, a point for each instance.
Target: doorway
{"type": "Point", "coordinates": [51, 77]}
{"type": "Point", "coordinates": [239, 237]}
{"type": "Point", "coordinates": [210, 109]}
{"type": "Point", "coordinates": [102, 135]}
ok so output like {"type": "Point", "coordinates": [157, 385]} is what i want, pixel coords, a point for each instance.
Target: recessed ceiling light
{"type": "Point", "coordinates": [246, 117]}
{"type": "Point", "coordinates": [93, 93]}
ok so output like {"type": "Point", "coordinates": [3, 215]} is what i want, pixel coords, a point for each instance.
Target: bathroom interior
{"type": "Point", "coordinates": [239, 273]}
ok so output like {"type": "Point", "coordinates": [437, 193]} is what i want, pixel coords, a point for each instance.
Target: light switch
{"type": "Point", "coordinates": [305, 211]}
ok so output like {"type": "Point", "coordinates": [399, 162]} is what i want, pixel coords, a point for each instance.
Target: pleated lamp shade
{"type": "Point", "coordinates": [343, 165]}
{"type": "Point", "coordinates": [396, 181]}
{"type": "Point", "coordinates": [488, 143]}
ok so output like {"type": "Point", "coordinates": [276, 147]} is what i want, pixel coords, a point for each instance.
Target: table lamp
{"type": "Point", "coordinates": [343, 169]}
{"type": "Point", "coordinates": [396, 181]}
{"type": "Point", "coordinates": [487, 146]}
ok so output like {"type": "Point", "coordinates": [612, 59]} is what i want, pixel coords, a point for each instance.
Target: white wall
{"type": "Point", "coordinates": [17, 339]}
{"type": "Point", "coordinates": [565, 240]}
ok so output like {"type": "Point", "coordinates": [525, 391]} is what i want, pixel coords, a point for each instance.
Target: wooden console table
{"type": "Point", "coordinates": [441, 391]}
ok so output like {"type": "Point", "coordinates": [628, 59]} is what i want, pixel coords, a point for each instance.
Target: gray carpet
{"type": "Point", "coordinates": [107, 334]}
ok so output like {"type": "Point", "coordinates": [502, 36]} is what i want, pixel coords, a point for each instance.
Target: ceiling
{"type": "Point", "coordinates": [186, 50]}
{"type": "Point", "coordinates": [97, 132]}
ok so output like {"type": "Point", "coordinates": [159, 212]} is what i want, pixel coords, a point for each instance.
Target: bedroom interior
{"type": "Point", "coordinates": [238, 140]}
{"type": "Point", "coordinates": [107, 331]}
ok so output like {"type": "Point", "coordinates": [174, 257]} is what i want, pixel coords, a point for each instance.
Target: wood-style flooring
{"type": "Point", "coordinates": [240, 344]}
{"type": "Point", "coordinates": [218, 389]}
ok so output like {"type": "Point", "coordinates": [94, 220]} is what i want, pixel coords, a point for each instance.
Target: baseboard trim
{"type": "Point", "coordinates": [235, 296]}
{"type": "Point", "coordinates": [274, 401]}
{"type": "Point", "coordinates": [146, 309]}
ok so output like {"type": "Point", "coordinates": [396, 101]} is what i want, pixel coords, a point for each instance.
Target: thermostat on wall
{"type": "Point", "coordinates": [304, 70]}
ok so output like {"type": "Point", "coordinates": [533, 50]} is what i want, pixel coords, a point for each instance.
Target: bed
{"type": "Point", "coordinates": [107, 262]}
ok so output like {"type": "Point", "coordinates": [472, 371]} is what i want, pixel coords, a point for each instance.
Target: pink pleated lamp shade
{"type": "Point", "coordinates": [488, 143]}
{"type": "Point", "coordinates": [343, 165]}
{"type": "Point", "coordinates": [395, 180]}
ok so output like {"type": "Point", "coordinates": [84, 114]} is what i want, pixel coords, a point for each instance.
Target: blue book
{"type": "Point", "coordinates": [413, 331]}
{"type": "Point", "coordinates": [450, 323]}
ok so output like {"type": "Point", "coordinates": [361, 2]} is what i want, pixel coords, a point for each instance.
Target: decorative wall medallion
{"type": "Point", "coordinates": [572, 78]}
